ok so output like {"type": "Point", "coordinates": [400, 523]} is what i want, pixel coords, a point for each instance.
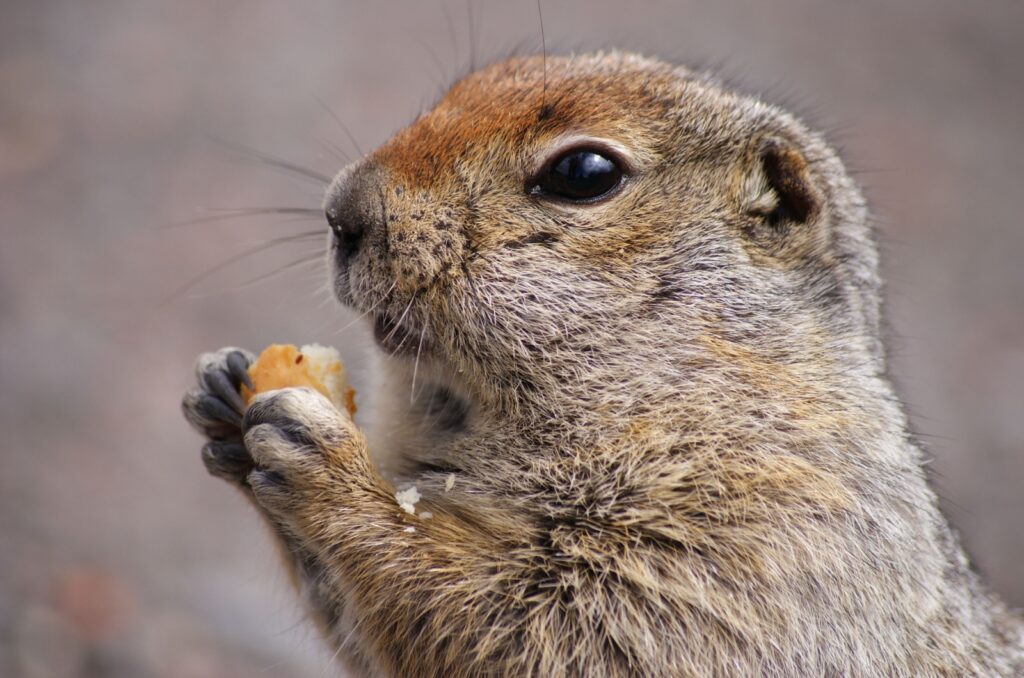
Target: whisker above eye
{"type": "Point", "coordinates": [343, 126]}
{"type": "Point", "coordinates": [335, 150]}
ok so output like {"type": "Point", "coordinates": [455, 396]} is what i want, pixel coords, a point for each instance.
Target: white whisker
{"type": "Point", "coordinates": [416, 365]}
{"type": "Point", "coordinates": [368, 311]}
{"type": "Point", "coordinates": [400, 320]}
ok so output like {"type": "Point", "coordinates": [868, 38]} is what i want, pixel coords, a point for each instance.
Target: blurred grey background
{"type": "Point", "coordinates": [118, 555]}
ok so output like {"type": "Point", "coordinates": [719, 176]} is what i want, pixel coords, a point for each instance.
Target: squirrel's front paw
{"type": "Point", "coordinates": [303, 450]}
{"type": "Point", "coordinates": [215, 408]}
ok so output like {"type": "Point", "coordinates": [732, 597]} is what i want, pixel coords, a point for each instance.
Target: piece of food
{"type": "Point", "coordinates": [318, 367]}
{"type": "Point", "coordinates": [407, 499]}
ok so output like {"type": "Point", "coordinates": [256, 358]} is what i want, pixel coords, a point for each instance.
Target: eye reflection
{"type": "Point", "coordinates": [579, 175]}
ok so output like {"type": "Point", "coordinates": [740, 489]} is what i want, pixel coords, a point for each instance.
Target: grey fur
{"type": "Point", "coordinates": [677, 450]}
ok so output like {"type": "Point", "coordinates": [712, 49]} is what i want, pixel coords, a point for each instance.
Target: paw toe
{"type": "Point", "coordinates": [227, 459]}
{"type": "Point", "coordinates": [223, 372]}
{"type": "Point", "coordinates": [278, 449]}
{"type": "Point", "coordinates": [221, 384]}
{"type": "Point", "coordinates": [209, 414]}
{"type": "Point", "coordinates": [271, 490]}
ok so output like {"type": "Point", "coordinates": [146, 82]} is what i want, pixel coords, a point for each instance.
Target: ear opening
{"type": "Point", "coordinates": [784, 202]}
{"type": "Point", "coordinates": [785, 170]}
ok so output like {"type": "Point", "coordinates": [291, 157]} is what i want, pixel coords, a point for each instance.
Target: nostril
{"type": "Point", "coordinates": [353, 211]}
{"type": "Point", "coordinates": [347, 230]}
{"type": "Point", "coordinates": [334, 222]}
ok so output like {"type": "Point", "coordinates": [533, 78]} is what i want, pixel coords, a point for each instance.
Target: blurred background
{"type": "Point", "coordinates": [120, 120]}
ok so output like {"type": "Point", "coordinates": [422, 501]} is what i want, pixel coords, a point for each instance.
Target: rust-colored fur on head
{"type": "Point", "coordinates": [652, 430]}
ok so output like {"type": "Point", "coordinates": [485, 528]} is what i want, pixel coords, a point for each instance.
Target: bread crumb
{"type": "Point", "coordinates": [407, 499]}
{"type": "Point", "coordinates": [426, 515]}
{"type": "Point", "coordinates": [449, 482]}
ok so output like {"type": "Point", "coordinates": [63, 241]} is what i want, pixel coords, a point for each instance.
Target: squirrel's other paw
{"type": "Point", "coordinates": [302, 448]}
{"type": "Point", "coordinates": [215, 409]}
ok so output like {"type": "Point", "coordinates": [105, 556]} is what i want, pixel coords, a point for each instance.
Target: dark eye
{"type": "Point", "coordinates": [579, 175]}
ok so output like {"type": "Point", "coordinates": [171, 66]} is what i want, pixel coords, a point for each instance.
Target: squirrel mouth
{"type": "Point", "coordinates": [395, 338]}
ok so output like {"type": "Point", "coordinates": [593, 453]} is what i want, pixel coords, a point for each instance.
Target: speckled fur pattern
{"type": "Point", "coordinates": [666, 415]}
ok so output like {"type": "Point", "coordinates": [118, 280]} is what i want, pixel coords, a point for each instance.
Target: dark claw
{"type": "Point", "coordinates": [222, 431]}
{"type": "Point", "coordinates": [215, 409]}
{"type": "Point", "coordinates": [220, 384]}
{"type": "Point", "coordinates": [238, 367]}
{"type": "Point", "coordinates": [229, 459]}
{"type": "Point", "coordinates": [231, 451]}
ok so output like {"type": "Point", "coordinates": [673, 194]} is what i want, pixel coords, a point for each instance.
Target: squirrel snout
{"type": "Point", "coordinates": [353, 217]}
{"type": "Point", "coordinates": [412, 236]}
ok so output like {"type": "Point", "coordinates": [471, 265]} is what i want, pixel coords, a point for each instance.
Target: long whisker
{"type": "Point", "coordinates": [335, 150]}
{"type": "Point", "coordinates": [472, 35]}
{"type": "Point", "coordinates": [343, 126]}
{"type": "Point", "coordinates": [267, 210]}
{"type": "Point", "coordinates": [370, 310]}
{"type": "Point", "coordinates": [307, 259]}
{"type": "Point", "coordinates": [451, 31]}
{"type": "Point", "coordinates": [258, 156]}
{"type": "Point", "coordinates": [416, 365]}
{"type": "Point", "coordinates": [324, 293]}
{"type": "Point", "coordinates": [401, 318]}
{"type": "Point", "coordinates": [544, 57]}
{"type": "Point", "coordinates": [433, 57]}
{"type": "Point", "coordinates": [227, 213]}
{"type": "Point", "coordinates": [262, 247]}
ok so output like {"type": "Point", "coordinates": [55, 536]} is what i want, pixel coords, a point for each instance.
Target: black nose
{"type": "Point", "coordinates": [355, 211]}
{"type": "Point", "coordinates": [348, 228]}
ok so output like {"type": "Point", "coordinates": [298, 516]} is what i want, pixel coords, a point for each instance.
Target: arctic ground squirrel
{"type": "Point", "coordinates": [629, 363]}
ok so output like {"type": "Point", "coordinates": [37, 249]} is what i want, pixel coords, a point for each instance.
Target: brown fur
{"type": "Point", "coordinates": [674, 447]}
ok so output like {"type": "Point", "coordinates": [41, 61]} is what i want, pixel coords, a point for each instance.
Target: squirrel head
{"type": "Point", "coordinates": [605, 226]}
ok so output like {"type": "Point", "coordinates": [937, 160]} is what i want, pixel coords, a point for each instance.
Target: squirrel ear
{"type": "Point", "coordinates": [780, 194]}
{"type": "Point", "coordinates": [786, 171]}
